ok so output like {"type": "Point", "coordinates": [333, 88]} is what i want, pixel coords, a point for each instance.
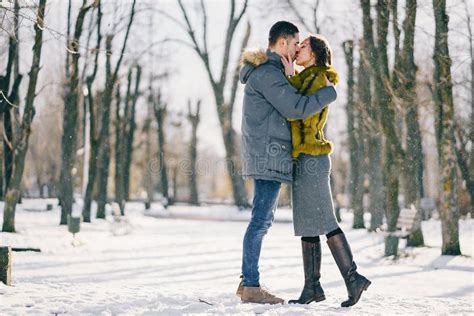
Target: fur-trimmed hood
{"type": "Point", "coordinates": [255, 57]}
{"type": "Point", "coordinates": [250, 60]}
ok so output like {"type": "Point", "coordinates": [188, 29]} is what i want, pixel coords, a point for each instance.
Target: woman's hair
{"type": "Point", "coordinates": [320, 47]}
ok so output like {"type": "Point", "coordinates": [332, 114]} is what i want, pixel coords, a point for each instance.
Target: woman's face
{"type": "Point", "coordinates": [305, 56]}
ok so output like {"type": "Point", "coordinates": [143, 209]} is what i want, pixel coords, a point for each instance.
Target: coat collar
{"type": "Point", "coordinates": [274, 58]}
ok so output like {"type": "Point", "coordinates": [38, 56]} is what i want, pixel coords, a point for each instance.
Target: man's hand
{"type": "Point", "coordinates": [288, 64]}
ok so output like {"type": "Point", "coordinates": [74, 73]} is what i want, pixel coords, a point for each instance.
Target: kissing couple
{"type": "Point", "coordinates": [283, 119]}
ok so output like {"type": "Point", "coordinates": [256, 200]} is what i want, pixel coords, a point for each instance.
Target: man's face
{"type": "Point", "coordinates": [292, 46]}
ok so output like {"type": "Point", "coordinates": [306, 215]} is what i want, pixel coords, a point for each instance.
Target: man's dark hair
{"type": "Point", "coordinates": [281, 29]}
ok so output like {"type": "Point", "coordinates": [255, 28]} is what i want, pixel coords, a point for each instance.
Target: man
{"type": "Point", "coordinates": [269, 100]}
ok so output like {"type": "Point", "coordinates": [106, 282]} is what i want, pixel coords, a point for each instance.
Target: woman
{"type": "Point", "coordinates": [313, 210]}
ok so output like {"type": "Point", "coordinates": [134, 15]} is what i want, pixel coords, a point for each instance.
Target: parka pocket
{"type": "Point", "coordinates": [278, 154]}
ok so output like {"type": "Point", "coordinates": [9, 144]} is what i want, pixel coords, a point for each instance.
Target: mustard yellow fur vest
{"type": "Point", "coordinates": [308, 134]}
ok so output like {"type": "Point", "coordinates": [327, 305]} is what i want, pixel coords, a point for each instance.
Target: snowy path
{"type": "Point", "coordinates": [166, 265]}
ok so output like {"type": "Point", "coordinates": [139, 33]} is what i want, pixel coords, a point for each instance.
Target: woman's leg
{"type": "Point", "coordinates": [334, 233]}
{"type": "Point", "coordinates": [312, 290]}
{"type": "Point", "coordinates": [311, 239]}
{"type": "Point", "coordinates": [341, 251]}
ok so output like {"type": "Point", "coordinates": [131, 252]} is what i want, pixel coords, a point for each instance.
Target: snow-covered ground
{"type": "Point", "coordinates": [165, 266]}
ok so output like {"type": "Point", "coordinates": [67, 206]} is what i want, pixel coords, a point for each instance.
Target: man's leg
{"type": "Point", "coordinates": [264, 204]}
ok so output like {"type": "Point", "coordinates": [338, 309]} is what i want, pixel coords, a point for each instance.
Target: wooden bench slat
{"type": "Point", "coordinates": [405, 221]}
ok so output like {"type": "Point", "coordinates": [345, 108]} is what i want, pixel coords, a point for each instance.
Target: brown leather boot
{"type": "Point", "coordinates": [355, 283]}
{"type": "Point", "coordinates": [312, 290]}
{"type": "Point", "coordinates": [259, 295]}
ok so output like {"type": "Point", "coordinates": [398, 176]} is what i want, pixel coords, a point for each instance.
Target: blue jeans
{"type": "Point", "coordinates": [264, 205]}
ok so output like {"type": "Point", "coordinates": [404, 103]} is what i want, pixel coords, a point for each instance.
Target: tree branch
{"type": "Point", "coordinates": [235, 79]}
{"type": "Point", "coordinates": [300, 18]}
{"type": "Point", "coordinates": [233, 23]}
{"type": "Point", "coordinates": [203, 55]}
{"type": "Point", "coordinates": [117, 66]}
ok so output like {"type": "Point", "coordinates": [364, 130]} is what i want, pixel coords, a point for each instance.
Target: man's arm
{"type": "Point", "coordinates": [286, 99]}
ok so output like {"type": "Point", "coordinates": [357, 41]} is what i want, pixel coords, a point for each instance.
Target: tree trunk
{"type": "Point", "coordinates": [414, 154]}
{"type": "Point", "coordinates": [91, 180]}
{"type": "Point", "coordinates": [131, 134]}
{"type": "Point", "coordinates": [120, 123]}
{"type": "Point", "coordinates": [124, 134]}
{"type": "Point", "coordinates": [160, 113]}
{"type": "Point", "coordinates": [104, 135]}
{"type": "Point", "coordinates": [104, 142]}
{"type": "Point", "coordinates": [391, 175]}
{"type": "Point", "coordinates": [194, 119]}
{"type": "Point", "coordinates": [376, 186]}
{"type": "Point", "coordinates": [71, 111]}
{"type": "Point", "coordinates": [449, 210]}
{"type": "Point", "coordinates": [393, 149]}
{"type": "Point", "coordinates": [104, 163]}
{"type": "Point", "coordinates": [8, 106]}
{"type": "Point", "coordinates": [376, 192]}
{"type": "Point", "coordinates": [21, 143]}
{"type": "Point", "coordinates": [175, 183]}
{"type": "Point", "coordinates": [148, 179]}
{"type": "Point", "coordinates": [92, 109]}
{"type": "Point", "coordinates": [7, 145]}
{"type": "Point", "coordinates": [353, 135]}
{"type": "Point", "coordinates": [233, 163]}
{"type": "Point", "coordinates": [463, 162]}
{"type": "Point", "coordinates": [471, 129]}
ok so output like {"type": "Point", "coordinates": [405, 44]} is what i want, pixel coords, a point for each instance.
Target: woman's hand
{"type": "Point", "coordinates": [288, 64]}
{"type": "Point", "coordinates": [328, 83]}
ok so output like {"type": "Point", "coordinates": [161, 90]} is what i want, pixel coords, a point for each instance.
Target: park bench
{"type": "Point", "coordinates": [406, 223]}
{"type": "Point", "coordinates": [6, 262]}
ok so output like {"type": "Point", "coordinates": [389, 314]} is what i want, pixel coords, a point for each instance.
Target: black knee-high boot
{"type": "Point", "coordinates": [312, 290]}
{"type": "Point", "coordinates": [355, 283]}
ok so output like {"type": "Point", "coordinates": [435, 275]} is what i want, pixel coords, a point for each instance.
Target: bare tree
{"type": "Point", "coordinates": [356, 182]}
{"type": "Point", "coordinates": [297, 9]}
{"type": "Point", "coordinates": [394, 153]}
{"type": "Point", "coordinates": [370, 57]}
{"type": "Point", "coordinates": [194, 119]}
{"type": "Point", "coordinates": [414, 151]}
{"type": "Point", "coordinates": [119, 143]}
{"type": "Point", "coordinates": [224, 105]}
{"type": "Point", "coordinates": [443, 96]}
{"type": "Point", "coordinates": [160, 109]}
{"type": "Point", "coordinates": [21, 141]}
{"type": "Point", "coordinates": [9, 109]}
{"type": "Point", "coordinates": [71, 112]}
{"type": "Point", "coordinates": [147, 130]}
{"type": "Point", "coordinates": [130, 133]}
{"type": "Point", "coordinates": [111, 76]}
{"type": "Point", "coordinates": [92, 109]}
{"type": "Point", "coordinates": [125, 126]}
